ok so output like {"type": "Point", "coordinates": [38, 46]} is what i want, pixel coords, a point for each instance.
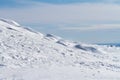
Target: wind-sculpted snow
{"type": "Point", "coordinates": [22, 47]}
{"type": "Point", "coordinates": [11, 22]}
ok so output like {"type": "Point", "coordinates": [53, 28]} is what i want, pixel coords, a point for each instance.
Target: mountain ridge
{"type": "Point", "coordinates": [21, 47]}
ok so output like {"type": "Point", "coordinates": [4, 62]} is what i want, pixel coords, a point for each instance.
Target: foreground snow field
{"type": "Point", "coordinates": [29, 55]}
{"type": "Point", "coordinates": [58, 73]}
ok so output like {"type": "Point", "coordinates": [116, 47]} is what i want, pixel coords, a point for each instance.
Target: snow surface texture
{"type": "Point", "coordinates": [29, 55]}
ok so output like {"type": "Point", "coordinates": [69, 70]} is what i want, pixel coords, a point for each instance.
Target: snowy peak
{"type": "Point", "coordinates": [10, 22]}
{"type": "Point", "coordinates": [10, 26]}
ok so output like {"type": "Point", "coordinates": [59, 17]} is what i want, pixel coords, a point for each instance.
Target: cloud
{"type": "Point", "coordinates": [67, 1]}
{"type": "Point", "coordinates": [111, 0]}
{"type": "Point", "coordinates": [93, 27]}
{"type": "Point", "coordinates": [23, 3]}
{"type": "Point", "coordinates": [54, 14]}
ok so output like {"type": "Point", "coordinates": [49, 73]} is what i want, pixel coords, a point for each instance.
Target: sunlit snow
{"type": "Point", "coordinates": [29, 55]}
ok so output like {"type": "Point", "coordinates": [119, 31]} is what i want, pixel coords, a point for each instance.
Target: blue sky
{"type": "Point", "coordinates": [90, 21]}
{"type": "Point", "coordinates": [10, 3]}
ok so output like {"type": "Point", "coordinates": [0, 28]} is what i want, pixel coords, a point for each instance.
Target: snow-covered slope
{"type": "Point", "coordinates": [21, 47]}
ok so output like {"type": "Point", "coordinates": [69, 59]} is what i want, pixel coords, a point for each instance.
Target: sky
{"type": "Point", "coordinates": [88, 21]}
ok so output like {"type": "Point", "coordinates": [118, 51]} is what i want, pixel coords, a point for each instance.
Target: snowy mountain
{"type": "Point", "coordinates": [22, 47]}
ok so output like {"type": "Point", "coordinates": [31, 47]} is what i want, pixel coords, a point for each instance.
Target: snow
{"type": "Point", "coordinates": [11, 22]}
{"type": "Point", "coordinates": [29, 55]}
{"type": "Point", "coordinates": [58, 73]}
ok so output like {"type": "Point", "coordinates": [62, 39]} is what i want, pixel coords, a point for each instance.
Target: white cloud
{"type": "Point", "coordinates": [93, 27]}
{"type": "Point", "coordinates": [64, 14]}
{"type": "Point", "coordinates": [110, 0]}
